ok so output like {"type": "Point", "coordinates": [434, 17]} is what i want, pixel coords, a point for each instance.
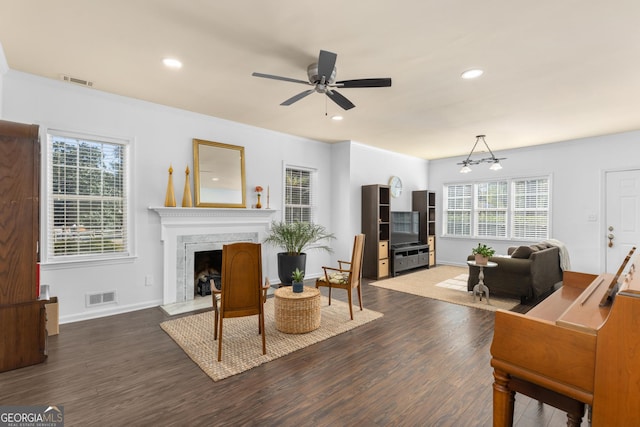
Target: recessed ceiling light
{"type": "Point", "coordinates": [172, 63]}
{"type": "Point", "coordinates": [472, 74]}
{"type": "Point", "coordinates": [337, 118]}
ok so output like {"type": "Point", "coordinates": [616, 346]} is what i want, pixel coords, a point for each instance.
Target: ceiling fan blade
{"type": "Point", "coordinates": [340, 100]}
{"type": "Point", "coordinates": [298, 97]}
{"type": "Point", "coordinates": [326, 64]}
{"type": "Point", "coordinates": [286, 79]}
{"type": "Point", "coordinates": [383, 82]}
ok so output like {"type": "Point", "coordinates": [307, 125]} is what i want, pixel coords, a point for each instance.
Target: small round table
{"type": "Point", "coordinates": [481, 287]}
{"type": "Point", "coordinates": [297, 313]}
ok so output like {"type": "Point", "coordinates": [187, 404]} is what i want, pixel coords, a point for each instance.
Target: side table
{"type": "Point", "coordinates": [481, 287]}
{"type": "Point", "coordinates": [297, 313]}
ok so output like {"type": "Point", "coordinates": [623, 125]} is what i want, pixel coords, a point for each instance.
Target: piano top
{"type": "Point", "coordinates": [576, 304]}
{"type": "Point", "coordinates": [585, 313]}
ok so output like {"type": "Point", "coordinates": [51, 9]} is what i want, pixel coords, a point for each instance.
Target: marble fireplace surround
{"type": "Point", "coordinates": [185, 231]}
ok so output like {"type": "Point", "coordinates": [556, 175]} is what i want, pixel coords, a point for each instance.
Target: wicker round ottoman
{"type": "Point", "coordinates": [297, 313]}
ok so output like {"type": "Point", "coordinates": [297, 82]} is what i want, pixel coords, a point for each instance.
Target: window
{"type": "Point", "coordinates": [86, 197]}
{"type": "Point", "coordinates": [458, 210]}
{"type": "Point", "coordinates": [299, 195]}
{"type": "Point", "coordinates": [517, 209]}
{"type": "Point", "coordinates": [531, 209]}
{"type": "Point", "coordinates": [491, 209]}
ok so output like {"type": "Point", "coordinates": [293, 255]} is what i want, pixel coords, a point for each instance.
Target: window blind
{"type": "Point", "coordinates": [299, 195]}
{"type": "Point", "coordinates": [492, 203]}
{"type": "Point", "coordinates": [518, 208]}
{"type": "Point", "coordinates": [458, 209]}
{"type": "Point", "coordinates": [531, 209]}
{"type": "Point", "coordinates": [87, 197]}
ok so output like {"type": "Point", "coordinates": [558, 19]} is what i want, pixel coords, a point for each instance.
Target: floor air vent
{"type": "Point", "coordinates": [101, 298]}
{"type": "Point", "coordinates": [76, 80]}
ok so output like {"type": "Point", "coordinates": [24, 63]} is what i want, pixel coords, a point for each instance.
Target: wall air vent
{"type": "Point", "coordinates": [76, 80]}
{"type": "Point", "coordinates": [100, 298]}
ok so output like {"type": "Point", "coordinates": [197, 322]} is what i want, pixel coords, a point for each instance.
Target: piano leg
{"type": "Point", "coordinates": [573, 407]}
{"type": "Point", "coordinates": [503, 400]}
{"type": "Point", "coordinates": [574, 420]}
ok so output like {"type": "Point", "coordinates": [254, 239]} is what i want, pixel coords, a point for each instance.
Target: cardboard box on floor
{"type": "Point", "coordinates": [52, 309]}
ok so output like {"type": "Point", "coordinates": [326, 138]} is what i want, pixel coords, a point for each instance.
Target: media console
{"type": "Point", "coordinates": [409, 256]}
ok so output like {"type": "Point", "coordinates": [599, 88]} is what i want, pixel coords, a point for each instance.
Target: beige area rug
{"type": "Point", "coordinates": [241, 344]}
{"type": "Point", "coordinates": [444, 283]}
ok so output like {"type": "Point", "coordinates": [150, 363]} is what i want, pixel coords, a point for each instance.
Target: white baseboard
{"type": "Point", "coordinates": [108, 311]}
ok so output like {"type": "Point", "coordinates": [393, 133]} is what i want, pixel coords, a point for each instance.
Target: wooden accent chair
{"type": "Point", "coordinates": [215, 293]}
{"type": "Point", "coordinates": [241, 292]}
{"type": "Point", "coordinates": [348, 275]}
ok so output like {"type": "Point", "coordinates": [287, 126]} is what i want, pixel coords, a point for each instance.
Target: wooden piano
{"type": "Point", "coordinates": [570, 351]}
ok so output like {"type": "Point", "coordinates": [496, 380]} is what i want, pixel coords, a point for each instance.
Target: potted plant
{"type": "Point", "coordinates": [295, 238]}
{"type": "Point", "coordinates": [482, 253]}
{"type": "Point", "coordinates": [297, 276]}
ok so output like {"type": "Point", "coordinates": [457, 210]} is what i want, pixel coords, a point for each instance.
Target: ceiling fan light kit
{"type": "Point", "coordinates": [495, 161]}
{"type": "Point", "coordinates": [322, 76]}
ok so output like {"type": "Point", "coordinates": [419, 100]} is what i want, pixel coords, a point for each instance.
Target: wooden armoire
{"type": "Point", "coordinates": [22, 316]}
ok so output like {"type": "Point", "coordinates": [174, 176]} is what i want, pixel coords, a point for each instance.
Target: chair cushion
{"type": "Point", "coordinates": [339, 278]}
{"type": "Point", "coordinates": [522, 252]}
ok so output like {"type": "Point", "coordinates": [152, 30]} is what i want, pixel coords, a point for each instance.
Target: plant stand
{"type": "Point", "coordinates": [481, 287]}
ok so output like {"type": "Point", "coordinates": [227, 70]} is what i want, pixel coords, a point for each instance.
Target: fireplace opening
{"type": "Point", "coordinates": [207, 265]}
{"type": "Point", "coordinates": [186, 272]}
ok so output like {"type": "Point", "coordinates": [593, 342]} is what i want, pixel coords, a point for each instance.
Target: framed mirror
{"type": "Point", "coordinates": [219, 178]}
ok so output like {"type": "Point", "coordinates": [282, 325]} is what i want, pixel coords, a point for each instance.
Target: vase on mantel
{"type": "Point", "coordinates": [170, 198]}
{"type": "Point", "coordinates": [258, 205]}
{"type": "Point", "coordinates": [187, 201]}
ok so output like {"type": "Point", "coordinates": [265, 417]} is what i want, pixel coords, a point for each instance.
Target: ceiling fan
{"type": "Point", "coordinates": [322, 76]}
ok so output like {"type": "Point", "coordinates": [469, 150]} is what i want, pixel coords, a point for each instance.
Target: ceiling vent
{"type": "Point", "coordinates": [76, 80]}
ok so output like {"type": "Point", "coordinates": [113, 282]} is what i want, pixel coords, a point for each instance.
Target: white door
{"type": "Point", "coordinates": [622, 217]}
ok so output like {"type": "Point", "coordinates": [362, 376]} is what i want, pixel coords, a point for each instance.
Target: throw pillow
{"type": "Point", "coordinates": [522, 252]}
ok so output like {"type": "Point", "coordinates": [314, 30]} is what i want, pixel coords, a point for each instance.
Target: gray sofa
{"type": "Point", "coordinates": [529, 273]}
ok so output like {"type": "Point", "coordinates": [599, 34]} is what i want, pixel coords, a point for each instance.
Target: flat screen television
{"type": "Point", "coordinates": [405, 228]}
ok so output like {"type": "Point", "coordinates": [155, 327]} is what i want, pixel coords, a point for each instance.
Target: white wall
{"type": "Point", "coordinates": [160, 136]}
{"type": "Point", "coordinates": [340, 201]}
{"type": "Point", "coordinates": [4, 68]}
{"type": "Point", "coordinates": [356, 164]}
{"type": "Point", "coordinates": [577, 170]}
{"type": "Point", "coordinates": [371, 165]}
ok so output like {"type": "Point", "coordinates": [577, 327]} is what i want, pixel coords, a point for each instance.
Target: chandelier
{"type": "Point", "coordinates": [495, 162]}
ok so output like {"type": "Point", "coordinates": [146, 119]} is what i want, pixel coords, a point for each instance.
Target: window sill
{"type": "Point", "coordinates": [494, 239]}
{"type": "Point", "coordinates": [89, 262]}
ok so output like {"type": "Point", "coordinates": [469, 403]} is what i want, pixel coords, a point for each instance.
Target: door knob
{"type": "Point", "coordinates": [611, 228]}
{"type": "Point", "coordinates": [610, 237]}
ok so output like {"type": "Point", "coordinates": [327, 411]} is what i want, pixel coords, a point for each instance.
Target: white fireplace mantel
{"type": "Point", "coordinates": [193, 217]}
{"type": "Point", "coordinates": [202, 225]}
{"type": "Point", "coordinates": [166, 212]}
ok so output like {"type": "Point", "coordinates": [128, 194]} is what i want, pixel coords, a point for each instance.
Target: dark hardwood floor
{"type": "Point", "coordinates": [425, 363]}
